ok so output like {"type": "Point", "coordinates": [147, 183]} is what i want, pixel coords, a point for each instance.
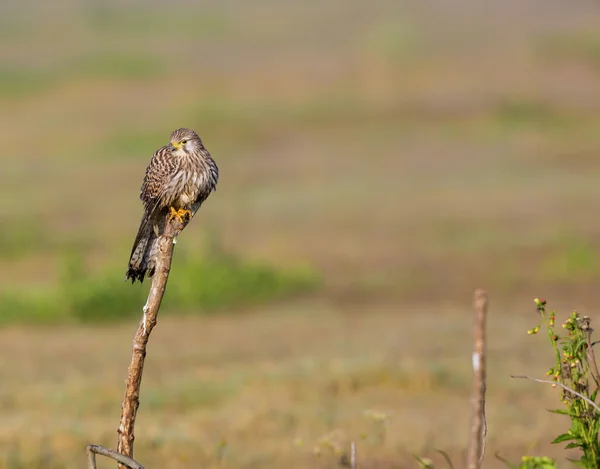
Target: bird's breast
{"type": "Point", "coordinates": [191, 187]}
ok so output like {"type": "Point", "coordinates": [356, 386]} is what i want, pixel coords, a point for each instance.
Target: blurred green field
{"type": "Point", "coordinates": [273, 387]}
{"type": "Point", "coordinates": [378, 162]}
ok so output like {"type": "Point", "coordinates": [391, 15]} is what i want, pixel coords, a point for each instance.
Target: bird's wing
{"type": "Point", "coordinates": [158, 173]}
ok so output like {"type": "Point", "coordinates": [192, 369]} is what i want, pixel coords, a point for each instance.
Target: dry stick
{"type": "Point", "coordinates": [92, 450]}
{"type": "Point", "coordinates": [478, 432]}
{"type": "Point", "coordinates": [592, 357]}
{"type": "Point", "coordinates": [131, 400]}
{"type": "Point", "coordinates": [353, 455]}
{"type": "Point", "coordinates": [566, 388]}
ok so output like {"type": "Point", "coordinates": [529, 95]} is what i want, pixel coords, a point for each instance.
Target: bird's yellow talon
{"type": "Point", "coordinates": [182, 215]}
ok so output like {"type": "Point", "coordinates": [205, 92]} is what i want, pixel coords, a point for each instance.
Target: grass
{"type": "Point", "coordinates": [126, 22]}
{"type": "Point", "coordinates": [18, 83]}
{"type": "Point", "coordinates": [23, 239]}
{"type": "Point", "coordinates": [117, 66]}
{"type": "Point", "coordinates": [582, 47]}
{"type": "Point", "coordinates": [205, 284]}
{"type": "Point", "coordinates": [300, 376]}
{"type": "Point", "coordinates": [130, 144]}
{"type": "Point", "coordinates": [518, 114]}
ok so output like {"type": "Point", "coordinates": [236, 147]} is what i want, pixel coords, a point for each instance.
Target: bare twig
{"type": "Point", "coordinates": [478, 432]}
{"type": "Point", "coordinates": [131, 400]}
{"type": "Point", "coordinates": [590, 352]}
{"type": "Point", "coordinates": [566, 388]}
{"type": "Point", "coordinates": [92, 450]}
{"type": "Point", "coordinates": [353, 455]}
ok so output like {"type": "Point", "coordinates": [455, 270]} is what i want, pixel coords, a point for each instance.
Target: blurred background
{"type": "Point", "coordinates": [379, 161]}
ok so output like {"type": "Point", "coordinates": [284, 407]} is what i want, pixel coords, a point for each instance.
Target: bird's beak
{"type": "Point", "coordinates": [176, 145]}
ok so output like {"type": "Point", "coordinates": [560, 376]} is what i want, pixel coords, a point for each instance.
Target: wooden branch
{"type": "Point", "coordinates": [477, 438]}
{"type": "Point", "coordinates": [592, 361]}
{"type": "Point", "coordinates": [353, 455]}
{"type": "Point", "coordinates": [92, 450]}
{"type": "Point", "coordinates": [591, 356]}
{"type": "Point", "coordinates": [566, 388]}
{"type": "Point", "coordinates": [131, 400]}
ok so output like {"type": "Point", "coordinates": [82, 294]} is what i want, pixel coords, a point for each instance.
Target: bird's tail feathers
{"type": "Point", "coordinates": [141, 261]}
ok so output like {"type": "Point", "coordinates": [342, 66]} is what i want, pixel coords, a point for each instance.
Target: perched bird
{"type": "Point", "coordinates": [179, 178]}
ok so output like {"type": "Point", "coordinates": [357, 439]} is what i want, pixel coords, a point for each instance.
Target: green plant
{"type": "Point", "coordinates": [531, 462]}
{"type": "Point", "coordinates": [425, 463]}
{"type": "Point", "coordinates": [576, 372]}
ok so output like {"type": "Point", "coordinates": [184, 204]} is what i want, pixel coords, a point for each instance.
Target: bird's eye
{"type": "Point", "coordinates": [183, 142]}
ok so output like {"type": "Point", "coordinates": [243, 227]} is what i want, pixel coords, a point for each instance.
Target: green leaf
{"type": "Point", "coordinates": [576, 461]}
{"type": "Point", "coordinates": [563, 437]}
{"type": "Point", "coordinates": [560, 411]}
{"type": "Point", "coordinates": [505, 461]}
{"type": "Point", "coordinates": [446, 457]}
{"type": "Point", "coordinates": [579, 345]}
{"type": "Point", "coordinates": [537, 462]}
{"type": "Point", "coordinates": [423, 463]}
{"type": "Point", "coordinates": [573, 445]}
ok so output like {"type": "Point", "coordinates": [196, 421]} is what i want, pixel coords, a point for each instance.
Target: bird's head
{"type": "Point", "coordinates": [185, 141]}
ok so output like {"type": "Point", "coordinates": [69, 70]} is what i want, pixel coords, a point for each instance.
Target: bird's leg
{"type": "Point", "coordinates": [187, 214]}
{"type": "Point", "coordinates": [182, 215]}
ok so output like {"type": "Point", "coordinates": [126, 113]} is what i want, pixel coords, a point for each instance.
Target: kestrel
{"type": "Point", "coordinates": [179, 178]}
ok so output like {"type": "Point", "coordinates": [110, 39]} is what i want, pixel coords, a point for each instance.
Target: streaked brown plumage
{"type": "Point", "coordinates": [178, 180]}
